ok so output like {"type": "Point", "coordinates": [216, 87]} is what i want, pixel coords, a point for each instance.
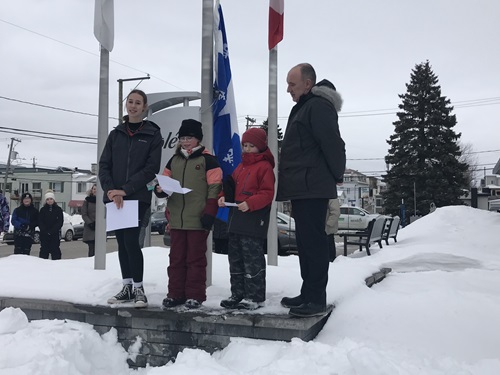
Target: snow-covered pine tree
{"type": "Point", "coordinates": [424, 153]}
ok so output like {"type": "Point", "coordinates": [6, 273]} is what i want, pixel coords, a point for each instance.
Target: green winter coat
{"type": "Point", "coordinates": [201, 173]}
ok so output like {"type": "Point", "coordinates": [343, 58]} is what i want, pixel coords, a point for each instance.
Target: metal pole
{"type": "Point", "coordinates": [7, 169]}
{"type": "Point", "coordinates": [415, 199]}
{"type": "Point", "coordinates": [120, 94]}
{"type": "Point", "coordinates": [207, 58]}
{"type": "Point", "coordinates": [272, 137]}
{"type": "Point", "coordinates": [102, 135]}
{"type": "Point", "coordinates": [120, 101]}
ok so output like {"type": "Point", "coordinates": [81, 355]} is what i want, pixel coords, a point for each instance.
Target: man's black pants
{"type": "Point", "coordinates": [312, 243]}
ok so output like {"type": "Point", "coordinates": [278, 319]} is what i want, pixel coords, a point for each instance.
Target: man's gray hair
{"type": "Point", "coordinates": [307, 72]}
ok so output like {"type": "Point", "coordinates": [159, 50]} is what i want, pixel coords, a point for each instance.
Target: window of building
{"type": "Point", "coordinates": [37, 187]}
{"type": "Point", "coordinates": [81, 187]}
{"type": "Point", "coordinates": [57, 187]}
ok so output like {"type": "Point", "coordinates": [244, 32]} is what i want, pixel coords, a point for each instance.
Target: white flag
{"type": "Point", "coordinates": [104, 23]}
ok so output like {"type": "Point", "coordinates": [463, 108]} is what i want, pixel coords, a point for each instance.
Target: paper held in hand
{"type": "Point", "coordinates": [125, 217]}
{"type": "Point", "coordinates": [169, 185]}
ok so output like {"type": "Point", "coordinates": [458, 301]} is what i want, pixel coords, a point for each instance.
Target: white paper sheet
{"type": "Point", "coordinates": [169, 185]}
{"type": "Point", "coordinates": [230, 204]}
{"type": "Point", "coordinates": [125, 217]}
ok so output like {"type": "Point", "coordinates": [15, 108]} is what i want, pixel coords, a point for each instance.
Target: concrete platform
{"type": "Point", "coordinates": [166, 333]}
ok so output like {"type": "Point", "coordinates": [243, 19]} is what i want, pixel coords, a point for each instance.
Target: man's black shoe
{"type": "Point", "coordinates": [308, 309]}
{"type": "Point", "coordinates": [290, 302]}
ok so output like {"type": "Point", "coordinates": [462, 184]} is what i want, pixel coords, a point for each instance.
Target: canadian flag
{"type": "Point", "coordinates": [276, 9]}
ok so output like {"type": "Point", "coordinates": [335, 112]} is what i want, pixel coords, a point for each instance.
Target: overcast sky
{"type": "Point", "coordinates": [367, 48]}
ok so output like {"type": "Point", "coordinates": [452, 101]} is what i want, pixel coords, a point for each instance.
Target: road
{"type": "Point", "coordinates": [78, 249]}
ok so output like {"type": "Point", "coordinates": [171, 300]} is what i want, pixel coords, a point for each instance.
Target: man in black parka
{"type": "Point", "coordinates": [312, 163]}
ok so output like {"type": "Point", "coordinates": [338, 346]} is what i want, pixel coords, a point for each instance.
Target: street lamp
{"type": "Point", "coordinates": [120, 94]}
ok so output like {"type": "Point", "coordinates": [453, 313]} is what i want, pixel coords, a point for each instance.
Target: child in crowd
{"type": "Point", "coordinates": [24, 220]}
{"type": "Point", "coordinates": [191, 216]}
{"type": "Point", "coordinates": [253, 190]}
{"type": "Point", "coordinates": [50, 222]}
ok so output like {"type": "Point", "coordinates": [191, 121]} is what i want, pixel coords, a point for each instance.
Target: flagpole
{"type": "Point", "coordinates": [102, 134]}
{"type": "Point", "coordinates": [207, 53]}
{"type": "Point", "coordinates": [272, 140]}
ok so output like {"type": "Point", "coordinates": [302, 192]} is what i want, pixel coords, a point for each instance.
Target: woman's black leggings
{"type": "Point", "coordinates": [129, 250]}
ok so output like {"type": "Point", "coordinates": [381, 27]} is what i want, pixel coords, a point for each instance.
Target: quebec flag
{"type": "Point", "coordinates": [227, 144]}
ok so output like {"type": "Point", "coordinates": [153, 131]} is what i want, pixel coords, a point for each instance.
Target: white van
{"type": "Point", "coordinates": [354, 218]}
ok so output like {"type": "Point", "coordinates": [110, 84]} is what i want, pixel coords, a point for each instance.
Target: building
{"type": "Point", "coordinates": [65, 183]}
{"type": "Point", "coordinates": [362, 191]}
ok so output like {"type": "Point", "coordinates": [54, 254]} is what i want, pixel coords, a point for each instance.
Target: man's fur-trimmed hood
{"type": "Point", "coordinates": [327, 90]}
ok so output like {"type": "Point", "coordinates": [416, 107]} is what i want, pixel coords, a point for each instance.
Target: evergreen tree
{"type": "Point", "coordinates": [265, 125]}
{"type": "Point", "coordinates": [424, 154]}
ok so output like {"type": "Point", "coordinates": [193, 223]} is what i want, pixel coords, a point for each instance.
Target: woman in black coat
{"type": "Point", "coordinates": [88, 215]}
{"type": "Point", "coordinates": [50, 223]}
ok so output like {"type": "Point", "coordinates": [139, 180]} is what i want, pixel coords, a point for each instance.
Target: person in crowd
{"type": "Point", "coordinates": [50, 222]}
{"type": "Point", "coordinates": [130, 160]}
{"type": "Point", "coordinates": [191, 216]}
{"type": "Point", "coordinates": [312, 163]}
{"type": "Point", "coordinates": [4, 214]}
{"type": "Point", "coordinates": [248, 223]}
{"type": "Point", "coordinates": [24, 220]}
{"type": "Point", "coordinates": [144, 224]}
{"type": "Point", "coordinates": [332, 226]}
{"type": "Point", "coordinates": [88, 216]}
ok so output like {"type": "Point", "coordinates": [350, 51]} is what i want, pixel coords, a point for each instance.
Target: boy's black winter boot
{"type": "Point", "coordinates": [172, 302]}
{"type": "Point", "coordinates": [231, 302]}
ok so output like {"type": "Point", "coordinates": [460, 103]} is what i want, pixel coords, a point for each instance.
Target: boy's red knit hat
{"type": "Point", "coordinates": [257, 137]}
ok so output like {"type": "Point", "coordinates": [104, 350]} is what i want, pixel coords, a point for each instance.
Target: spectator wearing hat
{"type": "Point", "coordinates": [4, 214]}
{"type": "Point", "coordinates": [253, 185]}
{"type": "Point", "coordinates": [24, 220]}
{"type": "Point", "coordinates": [130, 160]}
{"type": "Point", "coordinates": [50, 222]}
{"type": "Point", "coordinates": [191, 216]}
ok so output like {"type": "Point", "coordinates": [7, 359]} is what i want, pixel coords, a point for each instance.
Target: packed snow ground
{"type": "Point", "coordinates": [437, 313]}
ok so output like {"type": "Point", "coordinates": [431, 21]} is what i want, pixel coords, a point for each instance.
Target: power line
{"type": "Point", "coordinates": [51, 107]}
{"type": "Point", "coordinates": [90, 53]}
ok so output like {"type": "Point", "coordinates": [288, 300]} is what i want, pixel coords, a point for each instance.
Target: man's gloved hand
{"type": "Point", "coordinates": [25, 226]}
{"type": "Point", "coordinates": [207, 221]}
{"type": "Point", "coordinates": [92, 225]}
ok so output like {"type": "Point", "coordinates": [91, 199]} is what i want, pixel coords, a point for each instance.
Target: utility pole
{"type": "Point", "coordinates": [120, 94]}
{"type": "Point", "coordinates": [12, 140]}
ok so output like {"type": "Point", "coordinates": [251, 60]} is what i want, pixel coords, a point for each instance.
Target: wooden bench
{"type": "Point", "coordinates": [372, 234]}
{"type": "Point", "coordinates": [391, 230]}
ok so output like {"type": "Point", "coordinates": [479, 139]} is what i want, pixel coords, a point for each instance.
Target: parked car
{"type": "Point", "coordinates": [286, 234]}
{"type": "Point", "coordinates": [67, 232]}
{"type": "Point", "coordinates": [354, 218]}
{"type": "Point", "coordinates": [78, 231]}
{"type": "Point", "coordinates": [158, 222]}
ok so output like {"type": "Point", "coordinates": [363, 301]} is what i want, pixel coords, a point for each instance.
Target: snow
{"type": "Point", "coordinates": [436, 313]}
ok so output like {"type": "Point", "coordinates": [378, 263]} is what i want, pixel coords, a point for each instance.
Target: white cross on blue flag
{"type": "Point", "coordinates": [227, 146]}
